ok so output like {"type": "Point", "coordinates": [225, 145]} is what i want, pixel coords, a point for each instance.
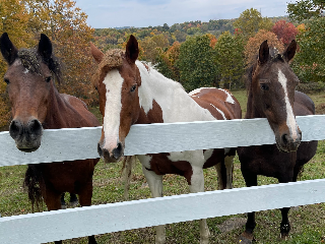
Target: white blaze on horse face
{"type": "Point", "coordinates": [111, 122]}
{"type": "Point", "coordinates": [291, 121]}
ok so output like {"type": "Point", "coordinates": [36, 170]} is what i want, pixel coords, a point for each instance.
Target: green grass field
{"type": "Point", "coordinates": [308, 222]}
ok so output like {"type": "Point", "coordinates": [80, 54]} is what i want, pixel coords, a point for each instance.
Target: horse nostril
{"type": "Point", "coordinates": [15, 129]}
{"type": "Point", "coordinates": [35, 127]}
{"type": "Point", "coordinates": [285, 139]}
{"type": "Point", "coordinates": [117, 152]}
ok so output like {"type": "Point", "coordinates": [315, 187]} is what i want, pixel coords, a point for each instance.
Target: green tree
{"type": "Point", "coordinates": [250, 21]}
{"type": "Point", "coordinates": [309, 63]}
{"type": "Point", "coordinates": [306, 9]}
{"type": "Point", "coordinates": [229, 60]}
{"type": "Point", "coordinates": [196, 64]}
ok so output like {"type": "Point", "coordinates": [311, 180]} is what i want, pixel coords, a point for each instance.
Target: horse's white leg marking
{"type": "Point", "coordinates": [229, 169]}
{"type": "Point", "coordinates": [291, 121]}
{"type": "Point", "coordinates": [197, 185]}
{"type": "Point", "coordinates": [155, 185]}
{"type": "Point", "coordinates": [113, 83]}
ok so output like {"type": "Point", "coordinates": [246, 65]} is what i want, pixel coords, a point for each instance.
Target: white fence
{"type": "Point", "coordinates": [71, 144]}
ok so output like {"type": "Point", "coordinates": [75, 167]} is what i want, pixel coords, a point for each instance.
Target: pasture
{"type": "Point", "coordinates": [308, 221]}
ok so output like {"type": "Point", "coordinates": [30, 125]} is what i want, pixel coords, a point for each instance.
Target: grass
{"type": "Point", "coordinates": [308, 222]}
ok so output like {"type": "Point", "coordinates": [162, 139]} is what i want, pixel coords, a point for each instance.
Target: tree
{"type": "Point", "coordinates": [306, 9]}
{"type": "Point", "coordinates": [196, 64]}
{"type": "Point", "coordinates": [250, 21]}
{"type": "Point", "coordinates": [229, 60]}
{"type": "Point", "coordinates": [285, 31]}
{"type": "Point", "coordinates": [254, 43]}
{"type": "Point", "coordinates": [167, 62]}
{"type": "Point", "coordinates": [309, 63]}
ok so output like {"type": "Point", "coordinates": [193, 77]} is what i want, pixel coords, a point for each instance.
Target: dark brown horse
{"type": "Point", "coordinates": [37, 105]}
{"type": "Point", "coordinates": [271, 87]}
{"type": "Point", "coordinates": [132, 92]}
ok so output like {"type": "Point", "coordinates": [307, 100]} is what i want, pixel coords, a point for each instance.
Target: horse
{"type": "Point", "coordinates": [271, 90]}
{"type": "Point", "coordinates": [133, 92]}
{"type": "Point", "coordinates": [36, 104]}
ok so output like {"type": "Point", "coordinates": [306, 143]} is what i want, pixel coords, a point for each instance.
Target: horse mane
{"type": "Point", "coordinates": [112, 59]}
{"type": "Point", "coordinates": [31, 60]}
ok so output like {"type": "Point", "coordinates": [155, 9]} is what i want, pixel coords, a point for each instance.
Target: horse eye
{"type": "Point", "coordinates": [48, 79]}
{"type": "Point", "coordinates": [133, 88]}
{"type": "Point", "coordinates": [6, 80]}
{"type": "Point", "coordinates": [264, 87]}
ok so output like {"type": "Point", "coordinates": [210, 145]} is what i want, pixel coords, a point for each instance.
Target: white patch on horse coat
{"type": "Point", "coordinates": [291, 121]}
{"type": "Point", "coordinates": [111, 122]}
{"type": "Point", "coordinates": [178, 106]}
{"type": "Point", "coordinates": [229, 97]}
{"type": "Point", "coordinates": [219, 111]}
{"type": "Point", "coordinates": [26, 71]}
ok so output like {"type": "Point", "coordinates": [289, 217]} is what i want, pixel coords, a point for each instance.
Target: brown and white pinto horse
{"type": "Point", "coordinates": [131, 92]}
{"type": "Point", "coordinates": [36, 104]}
{"type": "Point", "coordinates": [271, 87]}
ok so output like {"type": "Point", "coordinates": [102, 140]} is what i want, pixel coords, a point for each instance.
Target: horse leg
{"type": "Point", "coordinates": [63, 204]}
{"type": "Point", "coordinates": [197, 185]}
{"type": "Point", "coordinates": [222, 175]}
{"type": "Point", "coordinates": [285, 224]}
{"type": "Point", "coordinates": [85, 196]}
{"type": "Point", "coordinates": [229, 164]}
{"type": "Point", "coordinates": [73, 200]}
{"type": "Point", "coordinates": [155, 185]}
{"type": "Point", "coordinates": [247, 236]}
{"type": "Point", "coordinates": [53, 202]}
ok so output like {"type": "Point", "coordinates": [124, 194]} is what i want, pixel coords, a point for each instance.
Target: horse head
{"type": "Point", "coordinates": [29, 80]}
{"type": "Point", "coordinates": [117, 80]}
{"type": "Point", "coordinates": [272, 91]}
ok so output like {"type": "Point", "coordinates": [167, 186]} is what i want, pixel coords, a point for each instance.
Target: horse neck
{"type": "Point", "coordinates": [174, 103]}
{"type": "Point", "coordinates": [252, 111]}
{"type": "Point", "coordinates": [57, 107]}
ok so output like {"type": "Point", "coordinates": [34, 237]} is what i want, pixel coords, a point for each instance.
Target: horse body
{"type": "Point", "coordinates": [272, 95]}
{"type": "Point", "coordinates": [131, 92]}
{"type": "Point", "coordinates": [36, 104]}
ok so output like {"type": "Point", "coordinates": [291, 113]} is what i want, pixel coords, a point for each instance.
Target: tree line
{"type": "Point", "coordinates": [195, 53]}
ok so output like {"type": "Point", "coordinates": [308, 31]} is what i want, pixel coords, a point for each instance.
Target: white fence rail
{"type": "Point", "coordinates": [71, 144]}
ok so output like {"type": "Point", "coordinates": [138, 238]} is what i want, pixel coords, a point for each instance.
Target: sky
{"type": "Point", "coordinates": [144, 13]}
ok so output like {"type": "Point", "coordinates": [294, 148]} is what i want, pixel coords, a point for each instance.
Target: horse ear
{"type": "Point", "coordinates": [45, 48]}
{"type": "Point", "coordinates": [97, 54]}
{"type": "Point", "coordinates": [291, 51]}
{"type": "Point", "coordinates": [263, 55]}
{"type": "Point", "coordinates": [132, 49]}
{"type": "Point", "coordinates": [8, 50]}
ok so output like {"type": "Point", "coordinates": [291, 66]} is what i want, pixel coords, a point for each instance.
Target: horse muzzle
{"type": "Point", "coordinates": [27, 135]}
{"type": "Point", "coordinates": [111, 156]}
{"type": "Point", "coordinates": [287, 143]}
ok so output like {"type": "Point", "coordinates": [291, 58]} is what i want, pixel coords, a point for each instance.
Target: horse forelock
{"type": "Point", "coordinates": [31, 61]}
{"type": "Point", "coordinates": [112, 59]}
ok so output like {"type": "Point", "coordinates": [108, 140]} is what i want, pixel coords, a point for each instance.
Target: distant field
{"type": "Point", "coordinates": [308, 222]}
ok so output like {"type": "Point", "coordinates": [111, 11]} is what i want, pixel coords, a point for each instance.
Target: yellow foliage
{"type": "Point", "coordinates": [254, 43]}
